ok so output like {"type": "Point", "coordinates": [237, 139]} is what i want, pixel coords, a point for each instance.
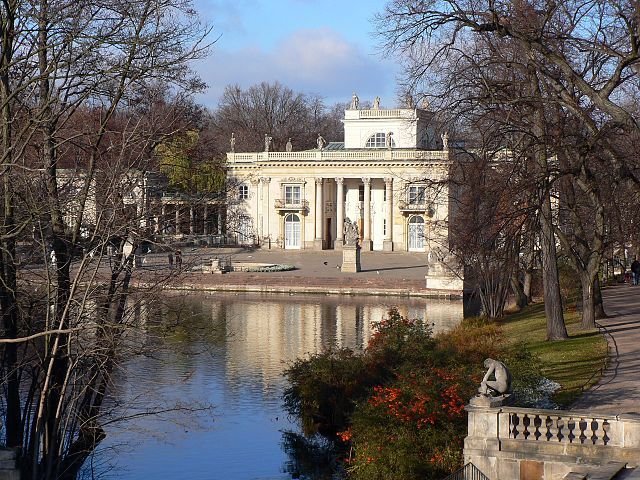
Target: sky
{"type": "Point", "coordinates": [322, 47]}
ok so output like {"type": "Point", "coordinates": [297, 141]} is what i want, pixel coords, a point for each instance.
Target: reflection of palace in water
{"type": "Point", "coordinates": [267, 334]}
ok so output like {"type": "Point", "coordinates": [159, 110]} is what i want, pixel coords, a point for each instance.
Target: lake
{"type": "Point", "coordinates": [215, 375]}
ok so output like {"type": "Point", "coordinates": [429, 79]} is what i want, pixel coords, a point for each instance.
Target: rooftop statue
{"type": "Point", "coordinates": [501, 384]}
{"type": "Point", "coordinates": [288, 147]}
{"type": "Point", "coordinates": [321, 142]}
{"type": "Point", "coordinates": [233, 142]}
{"type": "Point", "coordinates": [445, 141]}
{"type": "Point", "coordinates": [376, 103]}
{"type": "Point", "coordinates": [408, 101]}
{"type": "Point", "coordinates": [267, 142]}
{"type": "Point", "coordinates": [355, 101]}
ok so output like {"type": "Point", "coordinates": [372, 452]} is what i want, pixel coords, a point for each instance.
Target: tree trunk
{"type": "Point", "coordinates": [598, 303]}
{"type": "Point", "coordinates": [556, 329]}
{"type": "Point", "coordinates": [526, 286]}
{"type": "Point", "coordinates": [518, 292]}
{"type": "Point", "coordinates": [588, 301]}
{"type": "Point", "coordinates": [8, 301]}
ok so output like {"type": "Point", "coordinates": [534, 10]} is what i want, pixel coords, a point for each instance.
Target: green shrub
{"type": "Point", "coordinates": [323, 389]}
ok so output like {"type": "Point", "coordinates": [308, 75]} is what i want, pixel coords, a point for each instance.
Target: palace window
{"type": "Point", "coordinates": [292, 194]}
{"type": "Point", "coordinates": [379, 140]}
{"type": "Point", "coordinates": [417, 194]}
{"type": "Point", "coordinates": [243, 192]}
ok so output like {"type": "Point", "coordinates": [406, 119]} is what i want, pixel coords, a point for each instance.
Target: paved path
{"type": "Point", "coordinates": [619, 389]}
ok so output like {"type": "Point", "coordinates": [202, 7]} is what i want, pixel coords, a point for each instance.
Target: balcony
{"type": "Point", "coordinates": [410, 207]}
{"type": "Point", "coordinates": [281, 204]}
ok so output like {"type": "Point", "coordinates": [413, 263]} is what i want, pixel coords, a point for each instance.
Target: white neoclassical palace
{"type": "Point", "coordinates": [389, 177]}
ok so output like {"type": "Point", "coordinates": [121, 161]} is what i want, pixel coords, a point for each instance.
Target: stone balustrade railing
{"type": "Point", "coordinates": [504, 441]}
{"type": "Point", "coordinates": [561, 427]}
{"type": "Point", "coordinates": [340, 155]}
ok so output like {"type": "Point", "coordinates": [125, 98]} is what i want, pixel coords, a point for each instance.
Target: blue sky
{"type": "Point", "coordinates": [323, 47]}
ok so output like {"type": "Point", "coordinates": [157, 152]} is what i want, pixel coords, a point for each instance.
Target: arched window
{"type": "Point", "coordinates": [379, 140]}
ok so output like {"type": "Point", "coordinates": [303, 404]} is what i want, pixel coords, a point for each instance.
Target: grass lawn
{"type": "Point", "coordinates": [575, 363]}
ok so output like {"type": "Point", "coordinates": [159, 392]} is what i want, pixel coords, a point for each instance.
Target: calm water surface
{"type": "Point", "coordinates": [229, 352]}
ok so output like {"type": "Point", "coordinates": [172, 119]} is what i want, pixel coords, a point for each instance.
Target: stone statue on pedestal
{"type": "Point", "coordinates": [351, 235]}
{"type": "Point", "coordinates": [288, 147]}
{"type": "Point", "coordinates": [350, 247]}
{"type": "Point", "coordinates": [232, 142]}
{"type": "Point", "coordinates": [501, 383]}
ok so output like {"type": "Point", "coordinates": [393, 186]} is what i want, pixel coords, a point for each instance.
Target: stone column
{"type": "Point", "coordinates": [339, 213]}
{"type": "Point", "coordinates": [319, 238]}
{"type": "Point", "coordinates": [266, 207]}
{"type": "Point", "coordinates": [192, 220]}
{"type": "Point", "coordinates": [387, 244]}
{"type": "Point", "coordinates": [163, 219]}
{"type": "Point", "coordinates": [178, 232]}
{"type": "Point", "coordinates": [366, 234]}
{"type": "Point", "coordinates": [255, 184]}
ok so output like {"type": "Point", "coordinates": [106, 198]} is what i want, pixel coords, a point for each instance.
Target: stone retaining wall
{"type": "Point", "coordinates": [510, 443]}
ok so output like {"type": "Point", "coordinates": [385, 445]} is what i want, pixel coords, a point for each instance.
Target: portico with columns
{"type": "Point", "coordinates": [389, 177]}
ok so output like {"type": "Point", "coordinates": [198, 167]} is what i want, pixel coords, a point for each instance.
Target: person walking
{"type": "Point", "coordinates": [635, 271]}
{"type": "Point", "coordinates": [170, 260]}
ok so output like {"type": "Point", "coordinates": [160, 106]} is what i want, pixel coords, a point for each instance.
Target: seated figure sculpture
{"type": "Point", "coordinates": [502, 383]}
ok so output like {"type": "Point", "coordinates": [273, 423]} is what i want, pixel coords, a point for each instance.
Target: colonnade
{"type": "Point", "coordinates": [211, 222]}
{"type": "Point", "coordinates": [366, 234]}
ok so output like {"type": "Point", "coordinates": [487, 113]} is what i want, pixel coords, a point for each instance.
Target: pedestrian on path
{"type": "Point", "coordinates": [635, 271]}
{"type": "Point", "coordinates": [170, 260]}
{"type": "Point", "coordinates": [179, 260]}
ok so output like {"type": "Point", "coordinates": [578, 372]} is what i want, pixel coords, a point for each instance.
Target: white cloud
{"type": "Point", "coordinates": [317, 61]}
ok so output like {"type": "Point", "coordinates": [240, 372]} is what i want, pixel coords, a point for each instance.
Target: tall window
{"type": "Point", "coordinates": [292, 194]}
{"type": "Point", "coordinates": [361, 193]}
{"type": "Point", "coordinates": [243, 192]}
{"type": "Point", "coordinates": [377, 140]}
{"type": "Point", "coordinates": [417, 194]}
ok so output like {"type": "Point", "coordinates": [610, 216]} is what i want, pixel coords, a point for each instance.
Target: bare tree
{"type": "Point", "coordinates": [275, 110]}
{"type": "Point", "coordinates": [534, 62]}
{"type": "Point", "coordinates": [72, 74]}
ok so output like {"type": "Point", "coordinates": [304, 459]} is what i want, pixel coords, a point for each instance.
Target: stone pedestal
{"type": "Point", "coordinates": [444, 277]}
{"type": "Point", "coordinates": [350, 258]}
{"type": "Point", "coordinates": [387, 246]}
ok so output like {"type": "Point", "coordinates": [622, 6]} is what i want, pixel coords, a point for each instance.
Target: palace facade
{"type": "Point", "coordinates": [390, 177]}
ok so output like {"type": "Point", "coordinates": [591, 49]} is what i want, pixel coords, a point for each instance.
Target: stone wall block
{"type": "Point", "coordinates": [631, 426]}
